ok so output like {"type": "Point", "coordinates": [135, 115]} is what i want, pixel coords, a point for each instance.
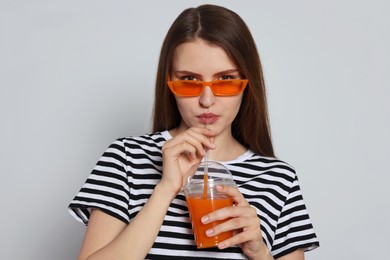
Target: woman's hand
{"type": "Point", "coordinates": [182, 155]}
{"type": "Point", "coordinates": [244, 221]}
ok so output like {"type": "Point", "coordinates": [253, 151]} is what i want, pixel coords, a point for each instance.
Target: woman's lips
{"type": "Point", "coordinates": [207, 118]}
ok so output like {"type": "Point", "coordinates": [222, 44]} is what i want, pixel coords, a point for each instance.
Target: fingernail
{"type": "Point", "coordinates": [205, 219]}
{"type": "Point", "coordinates": [209, 232]}
{"type": "Point", "coordinates": [219, 187]}
{"type": "Point", "coordinates": [221, 245]}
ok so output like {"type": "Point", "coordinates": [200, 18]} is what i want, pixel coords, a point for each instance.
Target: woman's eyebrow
{"type": "Point", "coordinates": [199, 76]}
{"type": "Point", "coordinates": [186, 72]}
{"type": "Point", "coordinates": [225, 72]}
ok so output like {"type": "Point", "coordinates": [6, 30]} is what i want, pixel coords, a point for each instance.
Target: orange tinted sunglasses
{"type": "Point", "coordinates": [193, 88]}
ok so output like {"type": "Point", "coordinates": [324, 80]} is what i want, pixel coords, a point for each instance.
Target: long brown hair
{"type": "Point", "coordinates": [223, 27]}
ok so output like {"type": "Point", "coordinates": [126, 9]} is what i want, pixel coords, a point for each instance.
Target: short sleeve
{"type": "Point", "coordinates": [294, 228]}
{"type": "Point", "coordinates": [106, 188]}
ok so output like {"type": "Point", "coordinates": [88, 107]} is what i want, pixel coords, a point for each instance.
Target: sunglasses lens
{"type": "Point", "coordinates": [228, 87]}
{"type": "Point", "coordinates": [187, 88]}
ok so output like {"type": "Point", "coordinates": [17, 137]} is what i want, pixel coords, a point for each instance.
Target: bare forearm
{"type": "Point", "coordinates": [135, 241]}
{"type": "Point", "coordinates": [264, 254]}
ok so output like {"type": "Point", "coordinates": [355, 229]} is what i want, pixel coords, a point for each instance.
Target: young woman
{"type": "Point", "coordinates": [209, 72]}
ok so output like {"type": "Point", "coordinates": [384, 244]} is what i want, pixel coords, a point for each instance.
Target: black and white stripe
{"type": "Point", "coordinates": [125, 176]}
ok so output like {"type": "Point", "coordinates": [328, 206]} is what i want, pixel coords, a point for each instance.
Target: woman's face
{"type": "Point", "coordinates": [199, 60]}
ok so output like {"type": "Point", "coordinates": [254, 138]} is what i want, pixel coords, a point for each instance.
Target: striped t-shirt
{"type": "Point", "coordinates": [125, 176]}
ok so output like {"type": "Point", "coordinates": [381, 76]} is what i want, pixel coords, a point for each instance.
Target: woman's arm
{"type": "Point", "coordinates": [110, 238]}
{"type": "Point", "coordinates": [298, 254]}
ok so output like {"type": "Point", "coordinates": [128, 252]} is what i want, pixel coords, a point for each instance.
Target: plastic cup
{"type": "Point", "coordinates": [203, 198]}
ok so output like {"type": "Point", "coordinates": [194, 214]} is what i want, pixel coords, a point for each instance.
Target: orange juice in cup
{"type": "Point", "coordinates": [203, 198]}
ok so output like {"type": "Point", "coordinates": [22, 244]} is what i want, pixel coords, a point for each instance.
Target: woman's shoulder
{"type": "Point", "coordinates": [156, 139]}
{"type": "Point", "coordinates": [150, 137]}
{"type": "Point", "coordinates": [270, 162]}
{"type": "Point", "coordinates": [253, 165]}
{"type": "Point", "coordinates": [134, 146]}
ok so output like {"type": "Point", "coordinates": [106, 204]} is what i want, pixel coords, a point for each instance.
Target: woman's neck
{"type": "Point", "coordinates": [227, 149]}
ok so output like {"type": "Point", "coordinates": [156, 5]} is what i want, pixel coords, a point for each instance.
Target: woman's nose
{"type": "Point", "coordinates": [207, 97]}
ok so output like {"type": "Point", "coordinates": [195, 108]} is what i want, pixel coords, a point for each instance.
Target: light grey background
{"type": "Point", "coordinates": [75, 75]}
